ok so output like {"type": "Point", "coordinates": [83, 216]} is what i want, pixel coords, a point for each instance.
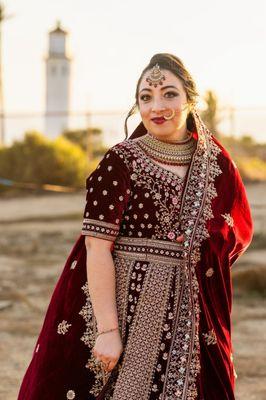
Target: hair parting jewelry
{"type": "Point", "coordinates": [156, 77]}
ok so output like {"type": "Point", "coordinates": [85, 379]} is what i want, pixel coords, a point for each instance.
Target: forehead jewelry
{"type": "Point", "coordinates": [170, 116]}
{"type": "Point", "coordinates": [156, 77]}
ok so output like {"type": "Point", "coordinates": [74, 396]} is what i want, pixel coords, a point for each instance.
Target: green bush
{"type": "Point", "coordinates": [39, 160]}
{"type": "Point", "coordinates": [251, 168]}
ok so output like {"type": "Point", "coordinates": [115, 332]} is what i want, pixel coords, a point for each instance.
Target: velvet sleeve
{"type": "Point", "coordinates": [108, 192]}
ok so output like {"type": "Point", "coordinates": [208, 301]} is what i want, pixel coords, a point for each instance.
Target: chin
{"type": "Point", "coordinates": [160, 130]}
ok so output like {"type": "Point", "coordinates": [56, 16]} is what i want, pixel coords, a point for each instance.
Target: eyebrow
{"type": "Point", "coordinates": [163, 87]}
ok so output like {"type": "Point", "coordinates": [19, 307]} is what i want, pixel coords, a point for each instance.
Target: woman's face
{"type": "Point", "coordinates": [155, 102]}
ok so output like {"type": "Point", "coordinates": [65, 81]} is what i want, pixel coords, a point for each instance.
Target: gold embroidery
{"type": "Point", "coordinates": [63, 327]}
{"type": "Point", "coordinates": [97, 228]}
{"type": "Point", "coordinates": [210, 337]}
{"type": "Point", "coordinates": [148, 249]}
{"type": "Point", "coordinates": [166, 191]}
{"type": "Point", "coordinates": [73, 265]}
{"type": "Point", "coordinates": [88, 338]}
{"type": "Point", "coordinates": [70, 395]}
{"type": "Point", "coordinates": [123, 267]}
{"type": "Point", "coordinates": [209, 272]}
{"type": "Point", "coordinates": [229, 219]}
{"type": "Point", "coordinates": [135, 377]}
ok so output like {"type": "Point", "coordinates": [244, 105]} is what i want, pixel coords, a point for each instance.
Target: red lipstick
{"type": "Point", "coordinates": [158, 120]}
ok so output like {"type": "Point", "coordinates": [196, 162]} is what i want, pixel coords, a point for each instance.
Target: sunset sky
{"type": "Point", "coordinates": [223, 44]}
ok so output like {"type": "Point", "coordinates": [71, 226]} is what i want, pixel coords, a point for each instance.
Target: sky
{"type": "Point", "coordinates": [222, 43]}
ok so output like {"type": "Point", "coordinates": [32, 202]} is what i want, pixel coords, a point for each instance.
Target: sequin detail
{"type": "Point", "coordinates": [63, 327]}
{"type": "Point", "coordinates": [229, 219]}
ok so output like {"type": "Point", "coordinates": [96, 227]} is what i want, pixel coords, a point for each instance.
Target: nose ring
{"type": "Point", "coordinates": [170, 116]}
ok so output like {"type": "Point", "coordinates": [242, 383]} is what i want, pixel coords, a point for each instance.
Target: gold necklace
{"type": "Point", "coordinates": [168, 152]}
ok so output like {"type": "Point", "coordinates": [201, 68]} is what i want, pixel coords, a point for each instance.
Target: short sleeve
{"type": "Point", "coordinates": [108, 193]}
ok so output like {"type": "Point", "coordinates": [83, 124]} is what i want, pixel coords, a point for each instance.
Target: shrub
{"type": "Point", "coordinates": [251, 168]}
{"type": "Point", "coordinates": [39, 160]}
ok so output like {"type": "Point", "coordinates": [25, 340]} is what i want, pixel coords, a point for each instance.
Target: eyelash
{"type": "Point", "coordinates": [174, 95]}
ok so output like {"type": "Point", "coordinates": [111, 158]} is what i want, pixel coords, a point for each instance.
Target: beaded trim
{"type": "Point", "coordinates": [167, 152]}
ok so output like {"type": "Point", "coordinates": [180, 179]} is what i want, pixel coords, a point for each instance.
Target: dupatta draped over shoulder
{"type": "Point", "coordinates": [174, 299]}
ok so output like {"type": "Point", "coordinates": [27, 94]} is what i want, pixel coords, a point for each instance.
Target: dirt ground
{"type": "Point", "coordinates": [38, 233]}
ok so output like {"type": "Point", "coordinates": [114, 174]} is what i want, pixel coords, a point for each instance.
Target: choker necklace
{"type": "Point", "coordinates": [168, 152]}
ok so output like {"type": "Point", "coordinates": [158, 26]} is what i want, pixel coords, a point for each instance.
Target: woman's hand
{"type": "Point", "coordinates": [108, 348]}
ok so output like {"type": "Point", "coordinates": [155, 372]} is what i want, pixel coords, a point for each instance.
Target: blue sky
{"type": "Point", "coordinates": [223, 44]}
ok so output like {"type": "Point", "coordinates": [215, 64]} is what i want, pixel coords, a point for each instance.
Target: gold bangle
{"type": "Point", "coordinates": [109, 330]}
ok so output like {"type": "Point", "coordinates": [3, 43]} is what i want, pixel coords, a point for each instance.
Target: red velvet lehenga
{"type": "Point", "coordinates": [173, 299]}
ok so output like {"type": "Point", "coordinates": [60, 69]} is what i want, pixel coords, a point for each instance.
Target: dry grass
{"type": "Point", "coordinates": [250, 280]}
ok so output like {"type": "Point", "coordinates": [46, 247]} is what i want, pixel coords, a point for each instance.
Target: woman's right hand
{"type": "Point", "coordinates": [108, 348]}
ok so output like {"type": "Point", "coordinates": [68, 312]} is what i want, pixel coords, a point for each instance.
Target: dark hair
{"type": "Point", "coordinates": [175, 65]}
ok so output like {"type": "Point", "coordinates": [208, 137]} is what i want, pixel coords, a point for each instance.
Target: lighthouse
{"type": "Point", "coordinates": [58, 75]}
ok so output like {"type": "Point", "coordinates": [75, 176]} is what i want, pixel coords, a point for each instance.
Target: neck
{"type": "Point", "coordinates": [178, 136]}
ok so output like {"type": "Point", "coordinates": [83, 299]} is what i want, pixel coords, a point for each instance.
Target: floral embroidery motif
{"type": "Point", "coordinates": [163, 186]}
{"type": "Point", "coordinates": [229, 219]}
{"type": "Point", "coordinates": [209, 272]}
{"type": "Point", "coordinates": [70, 395]}
{"type": "Point", "coordinates": [89, 339]}
{"type": "Point", "coordinates": [63, 327]}
{"type": "Point", "coordinates": [210, 337]}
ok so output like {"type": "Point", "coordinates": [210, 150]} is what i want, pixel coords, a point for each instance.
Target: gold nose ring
{"type": "Point", "coordinates": [170, 116]}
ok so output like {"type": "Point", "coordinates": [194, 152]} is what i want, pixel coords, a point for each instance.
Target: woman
{"type": "Point", "coordinates": [142, 308]}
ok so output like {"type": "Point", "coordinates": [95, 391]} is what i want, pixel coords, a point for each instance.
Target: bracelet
{"type": "Point", "coordinates": [109, 330]}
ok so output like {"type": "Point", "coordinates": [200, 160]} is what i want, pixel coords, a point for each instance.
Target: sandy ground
{"type": "Point", "coordinates": [38, 233]}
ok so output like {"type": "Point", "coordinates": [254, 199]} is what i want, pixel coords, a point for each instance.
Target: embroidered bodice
{"type": "Point", "coordinates": [135, 194]}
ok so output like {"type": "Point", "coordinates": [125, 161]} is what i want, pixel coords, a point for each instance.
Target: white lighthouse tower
{"type": "Point", "coordinates": [58, 64]}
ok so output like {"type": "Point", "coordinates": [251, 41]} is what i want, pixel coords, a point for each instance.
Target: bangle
{"type": "Point", "coordinates": [109, 330]}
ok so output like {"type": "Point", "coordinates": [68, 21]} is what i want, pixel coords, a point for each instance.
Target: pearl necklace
{"type": "Point", "coordinates": [168, 152]}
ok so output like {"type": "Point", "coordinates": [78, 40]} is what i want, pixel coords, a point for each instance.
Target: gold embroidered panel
{"type": "Point", "coordinates": [144, 334]}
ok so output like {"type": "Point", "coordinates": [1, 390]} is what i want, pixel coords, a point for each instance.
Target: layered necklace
{"type": "Point", "coordinates": [177, 152]}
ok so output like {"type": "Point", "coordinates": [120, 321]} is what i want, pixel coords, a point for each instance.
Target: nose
{"type": "Point", "coordinates": [157, 105]}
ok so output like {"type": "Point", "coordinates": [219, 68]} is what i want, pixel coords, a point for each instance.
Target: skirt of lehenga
{"type": "Point", "coordinates": [151, 298]}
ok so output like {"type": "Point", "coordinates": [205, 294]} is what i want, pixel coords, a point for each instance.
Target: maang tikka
{"type": "Point", "coordinates": [156, 77]}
